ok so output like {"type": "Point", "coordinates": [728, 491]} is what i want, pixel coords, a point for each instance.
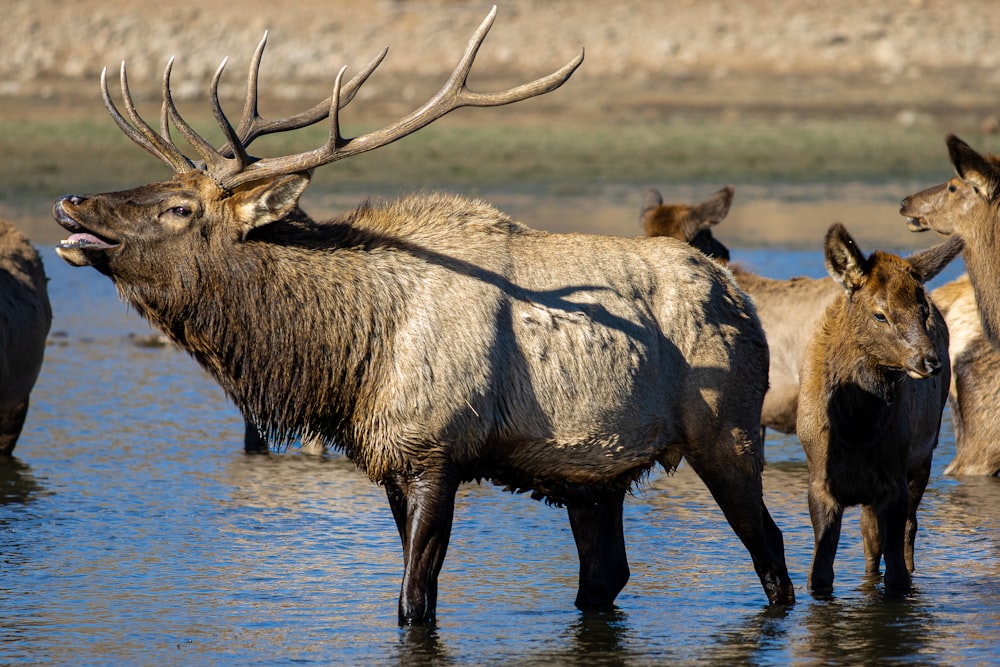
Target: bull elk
{"type": "Point", "coordinates": [25, 318]}
{"type": "Point", "coordinates": [435, 341]}
{"type": "Point", "coordinates": [789, 309]}
{"type": "Point", "coordinates": [967, 205]}
{"type": "Point", "coordinates": [975, 376]}
{"type": "Point", "coordinates": [874, 384]}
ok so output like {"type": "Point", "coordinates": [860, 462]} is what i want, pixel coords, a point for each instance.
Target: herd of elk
{"type": "Point", "coordinates": [875, 380]}
{"type": "Point", "coordinates": [437, 341]}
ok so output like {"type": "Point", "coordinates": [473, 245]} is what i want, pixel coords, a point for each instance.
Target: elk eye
{"type": "Point", "coordinates": [952, 187]}
{"type": "Point", "coordinates": [181, 211]}
{"type": "Point", "coordinates": [880, 317]}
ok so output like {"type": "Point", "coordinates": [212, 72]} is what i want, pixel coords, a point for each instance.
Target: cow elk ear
{"type": "Point", "coordinates": [262, 202]}
{"type": "Point", "coordinates": [715, 209]}
{"type": "Point", "coordinates": [930, 262]}
{"type": "Point", "coordinates": [971, 167]}
{"type": "Point", "coordinates": [844, 261]}
{"type": "Point", "coordinates": [652, 201]}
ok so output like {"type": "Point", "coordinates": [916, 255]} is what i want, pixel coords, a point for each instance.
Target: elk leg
{"type": "Point", "coordinates": [872, 539]}
{"type": "Point", "coordinates": [253, 441]}
{"type": "Point", "coordinates": [11, 423]}
{"type": "Point", "coordinates": [892, 524]}
{"type": "Point", "coordinates": [916, 487]}
{"type": "Point", "coordinates": [826, 515]}
{"type": "Point", "coordinates": [423, 506]}
{"type": "Point", "coordinates": [739, 493]}
{"type": "Point", "coordinates": [600, 543]}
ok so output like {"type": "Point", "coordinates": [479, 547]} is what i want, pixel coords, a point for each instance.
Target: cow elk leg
{"type": "Point", "coordinates": [827, 517]}
{"type": "Point", "coordinates": [600, 543]}
{"type": "Point", "coordinates": [917, 486]}
{"type": "Point", "coordinates": [423, 505]}
{"type": "Point", "coordinates": [11, 423]}
{"type": "Point", "coordinates": [739, 492]}
{"type": "Point", "coordinates": [892, 524]}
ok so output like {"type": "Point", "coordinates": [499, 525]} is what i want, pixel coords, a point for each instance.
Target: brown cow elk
{"type": "Point", "coordinates": [25, 318]}
{"type": "Point", "coordinates": [968, 205]}
{"type": "Point", "coordinates": [975, 382]}
{"type": "Point", "coordinates": [789, 309]}
{"type": "Point", "coordinates": [435, 341]}
{"type": "Point", "coordinates": [874, 384]}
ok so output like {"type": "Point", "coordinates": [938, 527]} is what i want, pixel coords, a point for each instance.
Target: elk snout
{"type": "Point", "coordinates": [923, 367]}
{"type": "Point", "coordinates": [62, 216]}
{"type": "Point", "coordinates": [913, 222]}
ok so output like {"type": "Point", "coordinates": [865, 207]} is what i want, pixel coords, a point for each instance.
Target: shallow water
{"type": "Point", "coordinates": [133, 530]}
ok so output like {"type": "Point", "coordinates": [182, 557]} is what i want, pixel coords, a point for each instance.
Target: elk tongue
{"type": "Point", "coordinates": [84, 241]}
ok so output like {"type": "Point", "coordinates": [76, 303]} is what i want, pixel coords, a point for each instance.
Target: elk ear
{"type": "Point", "coordinates": [262, 202]}
{"type": "Point", "coordinates": [714, 209]}
{"type": "Point", "coordinates": [928, 263]}
{"type": "Point", "coordinates": [971, 167]}
{"type": "Point", "coordinates": [653, 200]}
{"type": "Point", "coordinates": [844, 261]}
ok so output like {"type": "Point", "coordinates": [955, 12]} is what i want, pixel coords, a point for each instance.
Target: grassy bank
{"type": "Point", "coordinates": [42, 159]}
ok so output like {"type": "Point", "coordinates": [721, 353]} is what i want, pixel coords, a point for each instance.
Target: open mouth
{"type": "Point", "coordinates": [85, 240]}
{"type": "Point", "coordinates": [81, 238]}
{"type": "Point", "coordinates": [916, 224]}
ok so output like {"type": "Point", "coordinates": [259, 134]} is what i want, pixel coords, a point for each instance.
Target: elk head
{"type": "Point", "coordinates": [228, 194]}
{"type": "Point", "coordinates": [691, 224]}
{"type": "Point", "coordinates": [886, 309]}
{"type": "Point", "coordinates": [967, 204]}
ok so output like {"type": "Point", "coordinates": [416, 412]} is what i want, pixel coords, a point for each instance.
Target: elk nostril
{"type": "Point", "coordinates": [76, 200]}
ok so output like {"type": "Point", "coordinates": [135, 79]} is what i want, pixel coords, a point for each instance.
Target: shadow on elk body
{"type": "Point", "coordinates": [874, 384]}
{"type": "Point", "coordinates": [975, 382]}
{"type": "Point", "coordinates": [436, 341]}
{"type": "Point", "coordinates": [25, 318]}
{"type": "Point", "coordinates": [788, 309]}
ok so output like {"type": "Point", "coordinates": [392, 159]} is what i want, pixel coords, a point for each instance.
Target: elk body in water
{"type": "Point", "coordinates": [25, 318]}
{"type": "Point", "coordinates": [874, 384]}
{"type": "Point", "coordinates": [435, 341]}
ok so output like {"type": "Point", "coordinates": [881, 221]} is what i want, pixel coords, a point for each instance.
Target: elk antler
{"type": "Point", "coordinates": [231, 165]}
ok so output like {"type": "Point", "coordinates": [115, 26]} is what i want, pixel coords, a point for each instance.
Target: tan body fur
{"type": "Point", "coordinates": [975, 382]}
{"type": "Point", "coordinates": [789, 309]}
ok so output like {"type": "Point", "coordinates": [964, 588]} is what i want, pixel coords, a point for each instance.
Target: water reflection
{"type": "Point", "coordinates": [17, 482]}
{"type": "Point", "coordinates": [867, 629]}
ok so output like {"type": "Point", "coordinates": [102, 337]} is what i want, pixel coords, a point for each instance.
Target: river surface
{"type": "Point", "coordinates": [135, 531]}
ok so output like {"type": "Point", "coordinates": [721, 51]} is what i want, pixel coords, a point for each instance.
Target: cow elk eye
{"type": "Point", "coordinates": [181, 211]}
{"type": "Point", "coordinates": [880, 317]}
{"type": "Point", "coordinates": [952, 187]}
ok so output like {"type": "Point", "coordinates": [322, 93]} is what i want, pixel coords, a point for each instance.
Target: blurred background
{"type": "Point", "coordinates": [816, 111]}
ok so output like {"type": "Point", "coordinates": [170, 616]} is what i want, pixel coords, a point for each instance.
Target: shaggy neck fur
{"type": "Point", "coordinates": [287, 306]}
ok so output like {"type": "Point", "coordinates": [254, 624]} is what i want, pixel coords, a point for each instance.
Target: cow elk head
{"type": "Point", "coordinates": [887, 309]}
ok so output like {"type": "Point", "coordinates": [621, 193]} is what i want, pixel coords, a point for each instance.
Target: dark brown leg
{"type": "Point", "coordinates": [600, 543]}
{"type": "Point", "coordinates": [423, 506]}
{"type": "Point", "coordinates": [826, 515]}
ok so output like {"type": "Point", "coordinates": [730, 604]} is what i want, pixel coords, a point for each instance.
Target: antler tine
{"type": "Point", "coordinates": [141, 133]}
{"type": "Point", "coordinates": [216, 164]}
{"type": "Point", "coordinates": [237, 147]}
{"type": "Point", "coordinates": [453, 95]}
{"type": "Point", "coordinates": [252, 125]}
